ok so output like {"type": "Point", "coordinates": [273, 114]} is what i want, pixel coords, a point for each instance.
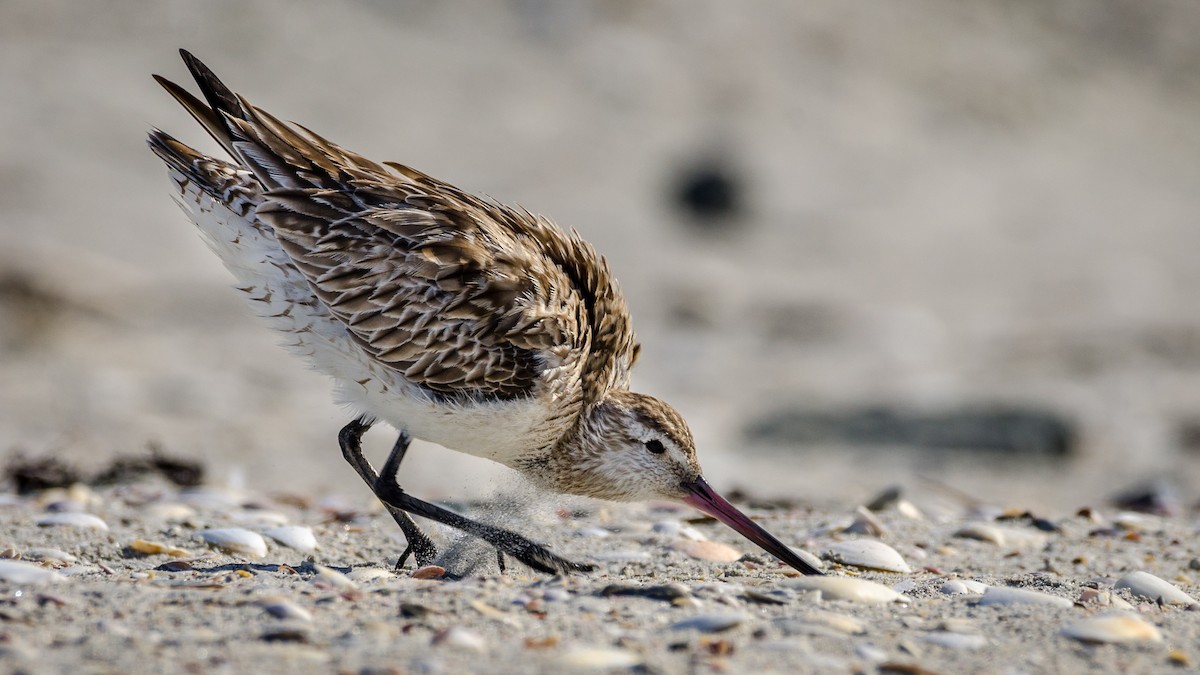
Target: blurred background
{"type": "Point", "coordinates": [863, 244]}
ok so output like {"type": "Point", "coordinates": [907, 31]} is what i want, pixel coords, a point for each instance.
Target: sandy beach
{"type": "Point", "coordinates": [943, 246]}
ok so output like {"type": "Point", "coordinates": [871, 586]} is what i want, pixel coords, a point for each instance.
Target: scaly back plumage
{"type": "Point", "coordinates": [465, 297]}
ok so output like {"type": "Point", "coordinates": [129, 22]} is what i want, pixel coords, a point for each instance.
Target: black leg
{"type": "Point", "coordinates": [350, 440]}
{"type": "Point", "coordinates": [534, 555]}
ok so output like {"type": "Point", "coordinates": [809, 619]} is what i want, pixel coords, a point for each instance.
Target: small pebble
{"type": "Point", "coordinates": [1003, 595]}
{"type": "Point", "coordinates": [868, 554]}
{"type": "Point", "coordinates": [1120, 628]}
{"type": "Point", "coordinates": [72, 519]}
{"type": "Point", "coordinates": [710, 623]}
{"type": "Point", "coordinates": [848, 588]}
{"type": "Point", "coordinates": [18, 573]}
{"type": "Point", "coordinates": [297, 537]}
{"type": "Point", "coordinates": [1150, 587]}
{"type": "Point", "coordinates": [707, 550]}
{"type": "Point", "coordinates": [235, 540]}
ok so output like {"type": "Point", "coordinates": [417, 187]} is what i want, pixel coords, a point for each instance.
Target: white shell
{"type": "Point", "coordinates": [846, 588]}
{"type": "Point", "coordinates": [868, 554]}
{"type": "Point", "coordinates": [72, 519]}
{"type": "Point", "coordinates": [332, 578]}
{"type": "Point", "coordinates": [1001, 536]}
{"type": "Point", "coordinates": [461, 638]}
{"type": "Point", "coordinates": [598, 659]}
{"type": "Point", "coordinates": [17, 573]}
{"type": "Point", "coordinates": [963, 587]}
{"type": "Point", "coordinates": [48, 554]}
{"type": "Point", "coordinates": [1114, 628]}
{"type": "Point", "coordinates": [710, 623]}
{"type": "Point", "coordinates": [1146, 585]}
{"type": "Point", "coordinates": [707, 550]}
{"type": "Point", "coordinates": [821, 623]}
{"type": "Point", "coordinates": [168, 511]}
{"type": "Point", "coordinates": [367, 574]}
{"type": "Point", "coordinates": [955, 640]}
{"type": "Point", "coordinates": [296, 537]}
{"type": "Point", "coordinates": [1003, 595]}
{"type": "Point", "coordinates": [235, 540]}
{"type": "Point", "coordinates": [282, 608]}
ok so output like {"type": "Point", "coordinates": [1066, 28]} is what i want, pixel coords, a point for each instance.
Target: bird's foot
{"type": "Point", "coordinates": [504, 541]}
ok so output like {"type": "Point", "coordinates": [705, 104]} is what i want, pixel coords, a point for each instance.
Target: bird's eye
{"type": "Point", "coordinates": [654, 445]}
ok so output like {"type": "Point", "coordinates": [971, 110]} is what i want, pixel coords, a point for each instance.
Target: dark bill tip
{"type": "Point", "coordinates": [703, 497]}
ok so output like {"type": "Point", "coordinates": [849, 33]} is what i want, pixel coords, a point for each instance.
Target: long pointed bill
{"type": "Point", "coordinates": [707, 500]}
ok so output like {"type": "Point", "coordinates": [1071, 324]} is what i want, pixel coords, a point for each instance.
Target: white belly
{"type": "Point", "coordinates": [502, 431]}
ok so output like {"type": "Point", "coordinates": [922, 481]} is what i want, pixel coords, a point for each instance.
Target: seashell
{"type": "Point", "coordinates": [1003, 536]}
{"type": "Point", "coordinates": [331, 578]}
{"type": "Point", "coordinates": [868, 554]}
{"type": "Point", "coordinates": [461, 638]}
{"type": "Point", "coordinates": [593, 532]}
{"type": "Point", "coordinates": [1003, 595]}
{"type": "Point", "coordinates": [1113, 628]}
{"type": "Point", "coordinates": [259, 518]}
{"type": "Point", "coordinates": [168, 511]}
{"type": "Point", "coordinates": [847, 588]}
{"type": "Point", "coordinates": [154, 548]}
{"type": "Point", "coordinates": [366, 574]}
{"type": "Point", "coordinates": [235, 540]}
{"type": "Point", "coordinates": [49, 555]}
{"type": "Point", "coordinates": [1103, 599]}
{"type": "Point", "coordinates": [598, 659]}
{"type": "Point", "coordinates": [72, 519]}
{"type": "Point", "coordinates": [963, 587]}
{"type": "Point", "coordinates": [865, 522]}
{"type": "Point", "coordinates": [670, 528]}
{"type": "Point", "coordinates": [17, 573]}
{"type": "Point", "coordinates": [212, 499]}
{"type": "Point", "coordinates": [955, 640]}
{"type": "Point", "coordinates": [428, 572]}
{"type": "Point", "coordinates": [1146, 585]}
{"type": "Point", "coordinates": [707, 550]}
{"type": "Point", "coordinates": [710, 623]}
{"type": "Point", "coordinates": [689, 532]}
{"type": "Point", "coordinates": [282, 608]}
{"type": "Point", "coordinates": [297, 537]}
{"type": "Point", "coordinates": [909, 510]}
{"type": "Point", "coordinates": [823, 623]}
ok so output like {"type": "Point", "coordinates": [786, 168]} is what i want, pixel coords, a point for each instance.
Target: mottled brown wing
{"type": "Point", "coordinates": [432, 293]}
{"type": "Point", "coordinates": [464, 296]}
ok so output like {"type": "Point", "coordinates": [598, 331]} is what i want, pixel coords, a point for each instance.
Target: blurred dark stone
{"type": "Point", "coordinates": [181, 472]}
{"type": "Point", "coordinates": [710, 193]}
{"type": "Point", "coordinates": [993, 430]}
{"type": "Point", "coordinates": [1159, 497]}
{"type": "Point", "coordinates": [34, 475]}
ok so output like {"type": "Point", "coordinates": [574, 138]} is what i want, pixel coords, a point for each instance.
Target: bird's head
{"type": "Point", "coordinates": [633, 447]}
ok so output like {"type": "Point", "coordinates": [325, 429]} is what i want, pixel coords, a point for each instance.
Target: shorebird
{"type": "Point", "coordinates": [451, 317]}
